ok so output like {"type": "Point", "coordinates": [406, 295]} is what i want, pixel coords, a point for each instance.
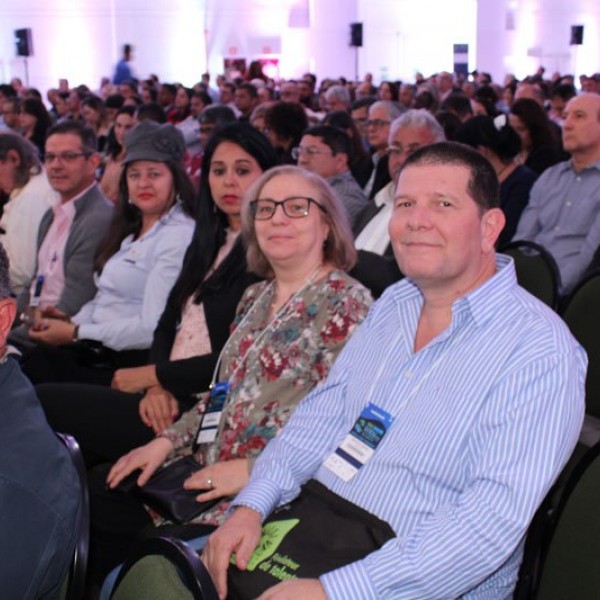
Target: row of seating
{"type": "Point", "coordinates": [537, 273]}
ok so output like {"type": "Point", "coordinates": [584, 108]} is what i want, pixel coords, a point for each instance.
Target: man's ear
{"type": "Point", "coordinates": [13, 157]}
{"type": "Point", "coordinates": [492, 224]}
{"type": "Point", "coordinates": [96, 159]}
{"type": "Point", "coordinates": [8, 312]}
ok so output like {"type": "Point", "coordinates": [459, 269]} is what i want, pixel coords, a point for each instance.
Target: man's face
{"type": "Point", "coordinates": [378, 128]}
{"type": "Point", "coordinates": [165, 96]}
{"type": "Point", "coordinates": [305, 90]}
{"type": "Point", "coordinates": [290, 92]}
{"type": "Point", "coordinates": [196, 106]}
{"type": "Point", "coordinates": [225, 94]}
{"type": "Point", "coordinates": [243, 101]}
{"type": "Point", "coordinates": [68, 174]}
{"type": "Point", "coordinates": [581, 127]}
{"type": "Point", "coordinates": [335, 105]}
{"type": "Point", "coordinates": [316, 156]}
{"type": "Point", "coordinates": [360, 116]}
{"type": "Point", "coordinates": [11, 117]}
{"type": "Point", "coordinates": [406, 96]}
{"type": "Point", "coordinates": [406, 141]}
{"type": "Point", "coordinates": [439, 236]}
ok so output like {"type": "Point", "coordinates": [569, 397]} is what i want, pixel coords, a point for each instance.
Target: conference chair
{"type": "Point", "coordinates": [163, 569]}
{"type": "Point", "coordinates": [562, 551]}
{"type": "Point", "coordinates": [74, 583]}
{"type": "Point", "coordinates": [536, 270]}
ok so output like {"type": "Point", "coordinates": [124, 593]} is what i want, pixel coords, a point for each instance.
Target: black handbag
{"type": "Point", "coordinates": [164, 491]}
{"type": "Point", "coordinates": [316, 533]}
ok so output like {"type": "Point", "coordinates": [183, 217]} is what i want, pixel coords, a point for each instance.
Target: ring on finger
{"type": "Point", "coordinates": [210, 483]}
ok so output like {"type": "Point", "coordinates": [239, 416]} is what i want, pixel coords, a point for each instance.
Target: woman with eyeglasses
{"type": "Point", "coordinates": [286, 334]}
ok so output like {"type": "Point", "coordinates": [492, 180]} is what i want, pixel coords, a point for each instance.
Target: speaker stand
{"type": "Point", "coordinates": [26, 71]}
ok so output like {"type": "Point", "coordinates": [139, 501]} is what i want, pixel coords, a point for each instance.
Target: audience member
{"type": "Point", "coordinates": [123, 71]}
{"type": "Point", "coordinates": [326, 151]}
{"type": "Point", "coordinates": [381, 114]}
{"type": "Point", "coordinates": [115, 153]}
{"type": "Point", "coordinates": [285, 122]}
{"type": "Point", "coordinates": [500, 144]}
{"type": "Point", "coordinates": [41, 496]}
{"type": "Point", "coordinates": [540, 147]}
{"type": "Point", "coordinates": [70, 232]}
{"type": "Point", "coordinates": [96, 118]}
{"type": "Point", "coordinates": [563, 213]}
{"type": "Point", "coordinates": [245, 100]}
{"type": "Point", "coordinates": [11, 109]}
{"type": "Point", "coordinates": [337, 98]}
{"type": "Point", "coordinates": [34, 122]}
{"type": "Point", "coordinates": [388, 91]}
{"type": "Point", "coordinates": [438, 450]}
{"type": "Point", "coordinates": [376, 268]}
{"type": "Point", "coordinates": [29, 197]}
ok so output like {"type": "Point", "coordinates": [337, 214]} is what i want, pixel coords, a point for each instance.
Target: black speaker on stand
{"type": "Point", "coordinates": [24, 47]}
{"type": "Point", "coordinates": [576, 35]}
{"type": "Point", "coordinates": [356, 42]}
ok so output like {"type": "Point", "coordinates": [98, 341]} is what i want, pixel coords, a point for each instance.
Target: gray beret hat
{"type": "Point", "coordinates": [151, 141]}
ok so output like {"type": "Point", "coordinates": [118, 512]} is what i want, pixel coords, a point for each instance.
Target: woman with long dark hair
{"type": "Point", "coordinates": [34, 120]}
{"type": "Point", "coordinates": [540, 145]}
{"type": "Point", "coordinates": [500, 144]}
{"type": "Point", "coordinates": [112, 162]}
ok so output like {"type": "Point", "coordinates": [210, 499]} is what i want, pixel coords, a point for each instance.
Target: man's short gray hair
{"type": "Point", "coordinates": [394, 110]}
{"type": "Point", "coordinates": [339, 93]}
{"type": "Point", "coordinates": [5, 291]}
{"type": "Point", "coordinates": [418, 117]}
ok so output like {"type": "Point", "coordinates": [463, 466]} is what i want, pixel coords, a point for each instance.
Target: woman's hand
{"type": "Point", "coordinates": [134, 380]}
{"type": "Point", "coordinates": [158, 408]}
{"type": "Point", "coordinates": [224, 478]}
{"type": "Point", "coordinates": [148, 458]}
{"type": "Point", "coordinates": [52, 331]}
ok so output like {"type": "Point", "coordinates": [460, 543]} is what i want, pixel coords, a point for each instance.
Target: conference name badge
{"type": "Point", "coordinates": [360, 444]}
{"type": "Point", "coordinates": [207, 432]}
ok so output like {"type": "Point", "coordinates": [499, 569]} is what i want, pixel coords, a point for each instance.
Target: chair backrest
{"type": "Point", "coordinates": [73, 587]}
{"type": "Point", "coordinates": [563, 546]}
{"type": "Point", "coordinates": [163, 569]}
{"type": "Point", "coordinates": [582, 315]}
{"type": "Point", "coordinates": [537, 270]}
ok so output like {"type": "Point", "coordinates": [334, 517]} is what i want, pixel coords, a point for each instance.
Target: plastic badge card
{"type": "Point", "coordinates": [360, 444]}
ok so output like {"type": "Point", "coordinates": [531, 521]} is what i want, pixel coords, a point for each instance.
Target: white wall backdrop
{"type": "Point", "coordinates": [179, 39]}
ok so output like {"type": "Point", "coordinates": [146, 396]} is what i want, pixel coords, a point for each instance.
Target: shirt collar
{"type": "Point", "coordinates": [567, 165]}
{"type": "Point", "coordinates": [480, 304]}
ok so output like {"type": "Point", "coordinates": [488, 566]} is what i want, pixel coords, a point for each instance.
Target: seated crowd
{"type": "Point", "coordinates": [181, 267]}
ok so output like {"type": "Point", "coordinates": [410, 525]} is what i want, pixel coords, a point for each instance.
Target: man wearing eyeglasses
{"type": "Point", "coordinates": [69, 233]}
{"type": "Point", "coordinates": [381, 115]}
{"type": "Point", "coordinates": [325, 150]}
{"type": "Point", "coordinates": [376, 267]}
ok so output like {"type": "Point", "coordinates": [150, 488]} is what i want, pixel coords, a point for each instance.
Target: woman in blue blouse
{"type": "Point", "coordinates": [137, 263]}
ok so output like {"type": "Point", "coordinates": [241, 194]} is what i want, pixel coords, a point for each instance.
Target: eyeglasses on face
{"type": "Point", "coordinates": [310, 150]}
{"type": "Point", "coordinates": [377, 123]}
{"type": "Point", "coordinates": [295, 207]}
{"type": "Point", "coordinates": [399, 150]}
{"type": "Point", "coordinates": [67, 157]}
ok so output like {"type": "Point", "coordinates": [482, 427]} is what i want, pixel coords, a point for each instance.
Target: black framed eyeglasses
{"type": "Point", "coordinates": [295, 207]}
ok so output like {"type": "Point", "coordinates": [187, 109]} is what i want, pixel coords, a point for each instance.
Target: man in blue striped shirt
{"type": "Point", "coordinates": [485, 389]}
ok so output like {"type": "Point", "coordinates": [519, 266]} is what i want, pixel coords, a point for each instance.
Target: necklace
{"type": "Point", "coordinates": [308, 281]}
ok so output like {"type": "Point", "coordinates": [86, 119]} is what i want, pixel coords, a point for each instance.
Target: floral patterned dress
{"type": "Point", "coordinates": [271, 366]}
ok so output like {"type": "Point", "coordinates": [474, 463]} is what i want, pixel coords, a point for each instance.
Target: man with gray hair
{"type": "Point", "coordinates": [376, 267]}
{"type": "Point", "coordinates": [40, 493]}
{"type": "Point", "coordinates": [409, 132]}
{"type": "Point", "coordinates": [381, 114]}
{"type": "Point", "coordinates": [337, 99]}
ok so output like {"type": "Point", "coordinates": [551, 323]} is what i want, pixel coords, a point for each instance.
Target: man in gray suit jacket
{"type": "Point", "coordinates": [71, 231]}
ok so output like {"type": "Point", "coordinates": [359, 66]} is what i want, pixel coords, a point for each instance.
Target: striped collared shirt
{"type": "Point", "coordinates": [485, 416]}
